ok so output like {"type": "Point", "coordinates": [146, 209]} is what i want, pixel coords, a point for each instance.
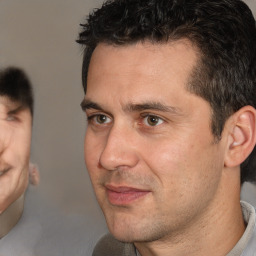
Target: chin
{"type": "Point", "coordinates": [127, 234]}
{"type": "Point", "coordinates": [128, 226]}
{"type": "Point", "coordinates": [4, 205]}
{"type": "Point", "coordinates": [124, 237]}
{"type": "Point", "coordinates": [122, 232]}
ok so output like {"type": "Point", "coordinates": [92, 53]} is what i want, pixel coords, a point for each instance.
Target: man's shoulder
{"type": "Point", "coordinates": [109, 246]}
{"type": "Point", "coordinates": [249, 237]}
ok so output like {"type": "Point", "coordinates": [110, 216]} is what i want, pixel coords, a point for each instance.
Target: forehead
{"type": "Point", "coordinates": [5, 101]}
{"type": "Point", "coordinates": [142, 67]}
{"type": "Point", "coordinates": [9, 106]}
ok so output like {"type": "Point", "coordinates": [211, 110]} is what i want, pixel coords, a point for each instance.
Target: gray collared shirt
{"type": "Point", "coordinates": [246, 246]}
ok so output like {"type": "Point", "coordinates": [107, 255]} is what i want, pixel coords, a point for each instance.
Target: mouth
{"type": "Point", "coordinates": [124, 195]}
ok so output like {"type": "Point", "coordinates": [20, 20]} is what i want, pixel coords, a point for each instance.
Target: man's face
{"type": "Point", "coordinates": [15, 137]}
{"type": "Point", "coordinates": [149, 148]}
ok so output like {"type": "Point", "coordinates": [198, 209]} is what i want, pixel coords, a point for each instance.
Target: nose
{"type": "Point", "coordinates": [120, 149]}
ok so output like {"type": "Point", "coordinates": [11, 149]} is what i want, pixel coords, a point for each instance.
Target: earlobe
{"type": "Point", "coordinates": [242, 136]}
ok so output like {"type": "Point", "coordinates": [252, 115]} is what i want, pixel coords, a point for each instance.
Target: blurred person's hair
{"type": "Point", "coordinates": [15, 84]}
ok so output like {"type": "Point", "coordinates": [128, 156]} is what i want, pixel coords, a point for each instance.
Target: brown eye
{"type": "Point", "coordinates": [153, 120]}
{"type": "Point", "coordinates": [102, 119]}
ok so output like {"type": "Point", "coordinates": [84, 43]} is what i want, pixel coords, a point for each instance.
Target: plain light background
{"type": "Point", "coordinates": [39, 36]}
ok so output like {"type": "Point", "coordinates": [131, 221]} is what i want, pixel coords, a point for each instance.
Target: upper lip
{"type": "Point", "coordinates": [124, 189]}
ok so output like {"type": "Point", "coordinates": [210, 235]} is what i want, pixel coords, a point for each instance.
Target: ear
{"type": "Point", "coordinates": [241, 137]}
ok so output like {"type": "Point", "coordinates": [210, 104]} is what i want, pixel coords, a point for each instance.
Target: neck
{"type": "Point", "coordinates": [215, 233]}
{"type": "Point", "coordinates": [10, 217]}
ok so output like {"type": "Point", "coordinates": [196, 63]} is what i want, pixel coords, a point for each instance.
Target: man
{"type": "Point", "coordinates": [170, 97]}
{"type": "Point", "coordinates": [16, 109]}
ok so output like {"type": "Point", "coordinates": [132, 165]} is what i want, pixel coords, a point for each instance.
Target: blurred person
{"type": "Point", "coordinates": [170, 97]}
{"type": "Point", "coordinates": [16, 110]}
{"type": "Point", "coordinates": [30, 224]}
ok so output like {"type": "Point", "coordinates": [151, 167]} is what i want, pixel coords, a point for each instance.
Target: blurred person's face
{"type": "Point", "coordinates": [15, 138]}
{"type": "Point", "coordinates": [149, 148]}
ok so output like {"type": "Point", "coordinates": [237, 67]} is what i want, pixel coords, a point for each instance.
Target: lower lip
{"type": "Point", "coordinates": [124, 198]}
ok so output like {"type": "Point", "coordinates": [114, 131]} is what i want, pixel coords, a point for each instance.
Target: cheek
{"type": "Point", "coordinates": [180, 164]}
{"type": "Point", "coordinates": [165, 158]}
{"type": "Point", "coordinates": [92, 150]}
{"type": "Point", "coordinates": [23, 143]}
{"type": "Point", "coordinates": [17, 150]}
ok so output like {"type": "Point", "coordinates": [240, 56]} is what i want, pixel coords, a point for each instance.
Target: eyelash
{"type": "Point", "coordinates": [91, 118]}
{"type": "Point", "coordinates": [145, 116]}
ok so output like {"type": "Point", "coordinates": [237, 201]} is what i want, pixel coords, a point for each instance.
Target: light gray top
{"type": "Point", "coordinates": [246, 246]}
{"type": "Point", "coordinates": [44, 230]}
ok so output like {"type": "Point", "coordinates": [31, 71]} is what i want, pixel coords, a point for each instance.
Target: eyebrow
{"type": "Point", "coordinates": [12, 107]}
{"type": "Point", "coordinates": [88, 104]}
{"type": "Point", "coordinates": [134, 107]}
{"type": "Point", "coordinates": [158, 106]}
{"type": "Point", "coordinates": [16, 110]}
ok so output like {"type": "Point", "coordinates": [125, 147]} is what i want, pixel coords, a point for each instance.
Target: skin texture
{"type": "Point", "coordinates": [157, 171]}
{"type": "Point", "coordinates": [15, 138]}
